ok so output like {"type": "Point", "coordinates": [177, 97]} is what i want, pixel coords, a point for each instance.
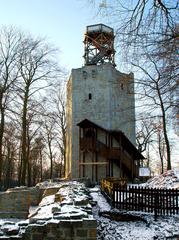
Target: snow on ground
{"type": "Point", "coordinates": [169, 179]}
{"type": "Point", "coordinates": [164, 228]}
{"type": "Point", "coordinates": [139, 230]}
{"type": "Point", "coordinates": [72, 195]}
{"type": "Point", "coordinates": [103, 205]}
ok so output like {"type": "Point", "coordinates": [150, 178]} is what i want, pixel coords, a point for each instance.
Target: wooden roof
{"type": "Point", "coordinates": [87, 124]}
{"type": "Point", "coordinates": [118, 135]}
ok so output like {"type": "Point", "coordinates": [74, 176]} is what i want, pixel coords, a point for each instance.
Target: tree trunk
{"type": "Point", "coordinates": [29, 181]}
{"type": "Point", "coordinates": [9, 165]}
{"type": "Point", "coordinates": [24, 138]}
{"type": "Point", "coordinates": [161, 158]}
{"type": "Point", "coordinates": [64, 159]}
{"type": "Point", "coordinates": [29, 175]}
{"type": "Point", "coordinates": [51, 163]}
{"type": "Point", "coordinates": [19, 168]}
{"type": "Point", "coordinates": [169, 167]}
{"type": "Point", "coordinates": [41, 166]}
{"type": "Point", "coordinates": [164, 126]}
{"type": "Point", "coordinates": [1, 139]}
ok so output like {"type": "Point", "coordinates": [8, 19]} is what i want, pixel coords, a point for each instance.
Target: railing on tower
{"type": "Point", "coordinates": [99, 45]}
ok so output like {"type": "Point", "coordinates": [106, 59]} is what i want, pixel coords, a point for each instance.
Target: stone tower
{"type": "Point", "coordinates": [98, 92]}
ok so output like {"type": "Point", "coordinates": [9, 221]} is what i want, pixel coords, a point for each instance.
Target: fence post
{"type": "Point", "coordinates": [113, 189]}
{"type": "Point", "coordinates": [177, 201]}
{"type": "Point", "coordinates": [156, 203]}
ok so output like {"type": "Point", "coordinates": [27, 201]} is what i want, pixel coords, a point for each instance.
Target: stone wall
{"type": "Point", "coordinates": [15, 202]}
{"type": "Point", "coordinates": [64, 213]}
{"type": "Point", "coordinates": [63, 230]}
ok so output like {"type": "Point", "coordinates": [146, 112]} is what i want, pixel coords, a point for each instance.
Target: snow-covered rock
{"type": "Point", "coordinates": [72, 203]}
{"type": "Point", "coordinates": [169, 179]}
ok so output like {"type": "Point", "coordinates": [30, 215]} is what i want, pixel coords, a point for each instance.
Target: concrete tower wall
{"type": "Point", "coordinates": [103, 95]}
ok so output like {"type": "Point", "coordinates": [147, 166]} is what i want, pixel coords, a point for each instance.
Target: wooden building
{"type": "Point", "coordinates": [105, 153]}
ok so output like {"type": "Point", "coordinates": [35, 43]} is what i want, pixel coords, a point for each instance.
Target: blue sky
{"type": "Point", "coordinates": [62, 22]}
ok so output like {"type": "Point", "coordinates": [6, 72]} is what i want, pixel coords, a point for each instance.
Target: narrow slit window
{"type": "Point", "coordinates": [90, 96]}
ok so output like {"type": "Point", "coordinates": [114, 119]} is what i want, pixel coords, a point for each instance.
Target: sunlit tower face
{"type": "Point", "coordinates": [99, 45]}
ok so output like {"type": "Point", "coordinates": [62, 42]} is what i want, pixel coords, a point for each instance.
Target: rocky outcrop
{"type": "Point", "coordinates": [64, 213]}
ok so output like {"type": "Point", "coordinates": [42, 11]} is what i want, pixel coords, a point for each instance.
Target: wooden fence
{"type": "Point", "coordinates": [152, 200]}
{"type": "Point", "coordinates": [107, 186]}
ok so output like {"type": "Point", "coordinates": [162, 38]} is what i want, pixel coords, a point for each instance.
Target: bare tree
{"type": "Point", "coordinates": [36, 160]}
{"type": "Point", "coordinates": [37, 67]}
{"type": "Point", "coordinates": [33, 131]}
{"type": "Point", "coordinates": [145, 27]}
{"type": "Point", "coordinates": [59, 115]}
{"type": "Point", "coordinates": [161, 147]}
{"type": "Point", "coordinates": [10, 149]}
{"type": "Point", "coordinates": [54, 108]}
{"type": "Point", "coordinates": [141, 21]}
{"type": "Point", "coordinates": [155, 90]}
{"type": "Point", "coordinates": [145, 132]}
{"type": "Point", "coordinates": [28, 66]}
{"type": "Point", "coordinates": [49, 137]}
{"type": "Point", "coordinates": [10, 40]}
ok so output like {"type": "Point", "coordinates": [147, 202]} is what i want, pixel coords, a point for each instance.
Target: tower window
{"type": "Point", "coordinates": [89, 96]}
{"type": "Point", "coordinates": [85, 75]}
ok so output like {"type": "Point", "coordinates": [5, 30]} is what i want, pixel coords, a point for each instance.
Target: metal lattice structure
{"type": "Point", "coordinates": [99, 45]}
